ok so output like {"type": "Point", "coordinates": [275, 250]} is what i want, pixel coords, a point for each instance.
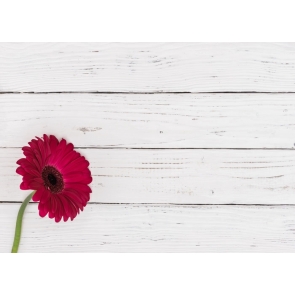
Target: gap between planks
{"type": "Point", "coordinates": [165, 204]}
{"type": "Point", "coordinates": [146, 92]}
{"type": "Point", "coordinates": [176, 148]}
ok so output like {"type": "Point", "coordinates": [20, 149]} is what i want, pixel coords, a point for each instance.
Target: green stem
{"type": "Point", "coordinates": [19, 220]}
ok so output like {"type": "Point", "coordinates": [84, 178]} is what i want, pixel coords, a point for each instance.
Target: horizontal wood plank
{"type": "Point", "coordinates": [147, 67]}
{"type": "Point", "coordinates": [151, 121]}
{"type": "Point", "coordinates": [129, 228]}
{"type": "Point", "coordinates": [176, 176]}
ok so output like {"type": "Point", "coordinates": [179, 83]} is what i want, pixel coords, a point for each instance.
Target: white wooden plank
{"type": "Point", "coordinates": [176, 176]}
{"type": "Point", "coordinates": [126, 228]}
{"type": "Point", "coordinates": [151, 121]}
{"type": "Point", "coordinates": [148, 67]}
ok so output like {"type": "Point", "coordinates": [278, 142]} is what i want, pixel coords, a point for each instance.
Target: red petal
{"type": "Point", "coordinates": [76, 198]}
{"type": "Point", "coordinates": [21, 171]}
{"type": "Point", "coordinates": [45, 196]}
{"type": "Point", "coordinates": [53, 143]}
{"type": "Point", "coordinates": [59, 209]}
{"type": "Point", "coordinates": [78, 164]}
{"type": "Point", "coordinates": [61, 151]}
{"type": "Point", "coordinates": [24, 186]}
{"type": "Point", "coordinates": [38, 195]}
{"type": "Point", "coordinates": [79, 187]}
{"type": "Point", "coordinates": [68, 158]}
{"type": "Point", "coordinates": [78, 177]}
{"type": "Point", "coordinates": [43, 209]}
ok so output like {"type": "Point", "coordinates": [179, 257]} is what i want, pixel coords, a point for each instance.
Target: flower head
{"type": "Point", "coordinates": [59, 174]}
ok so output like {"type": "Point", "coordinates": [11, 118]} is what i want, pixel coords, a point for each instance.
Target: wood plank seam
{"type": "Point", "coordinates": [146, 93]}
{"type": "Point", "coordinates": [167, 204]}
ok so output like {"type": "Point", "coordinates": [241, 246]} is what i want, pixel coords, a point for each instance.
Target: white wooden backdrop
{"type": "Point", "coordinates": [191, 145]}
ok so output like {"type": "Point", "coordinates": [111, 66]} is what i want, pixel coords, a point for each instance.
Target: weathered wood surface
{"type": "Point", "coordinates": [176, 176]}
{"type": "Point", "coordinates": [147, 67]}
{"type": "Point", "coordinates": [172, 172]}
{"type": "Point", "coordinates": [151, 121]}
{"type": "Point", "coordinates": [129, 228]}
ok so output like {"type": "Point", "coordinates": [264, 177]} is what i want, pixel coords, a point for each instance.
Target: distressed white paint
{"type": "Point", "coordinates": [121, 228]}
{"type": "Point", "coordinates": [151, 121]}
{"type": "Point", "coordinates": [147, 67]}
{"type": "Point", "coordinates": [186, 176]}
{"type": "Point", "coordinates": [161, 170]}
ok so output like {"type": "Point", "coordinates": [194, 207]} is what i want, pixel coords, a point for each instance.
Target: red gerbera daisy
{"type": "Point", "coordinates": [59, 175]}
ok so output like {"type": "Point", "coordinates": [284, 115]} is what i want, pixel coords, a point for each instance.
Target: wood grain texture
{"type": "Point", "coordinates": [176, 176]}
{"type": "Point", "coordinates": [172, 172]}
{"type": "Point", "coordinates": [147, 67]}
{"type": "Point", "coordinates": [120, 228]}
{"type": "Point", "coordinates": [151, 121]}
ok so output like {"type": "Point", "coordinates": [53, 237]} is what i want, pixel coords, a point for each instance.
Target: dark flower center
{"type": "Point", "coordinates": [53, 179]}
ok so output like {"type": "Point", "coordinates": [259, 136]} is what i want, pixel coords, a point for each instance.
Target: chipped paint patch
{"type": "Point", "coordinates": [89, 129]}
